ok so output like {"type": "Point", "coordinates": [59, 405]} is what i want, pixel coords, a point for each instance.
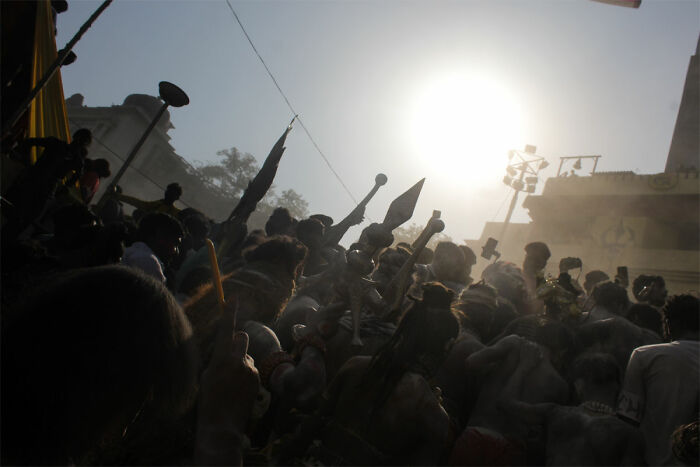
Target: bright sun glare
{"type": "Point", "coordinates": [463, 125]}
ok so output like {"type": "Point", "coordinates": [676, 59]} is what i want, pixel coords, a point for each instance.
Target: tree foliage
{"type": "Point", "coordinates": [231, 176]}
{"type": "Point", "coordinates": [409, 233]}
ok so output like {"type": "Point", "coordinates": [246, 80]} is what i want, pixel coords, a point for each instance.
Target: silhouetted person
{"type": "Point", "coordinates": [593, 278]}
{"type": "Point", "coordinates": [31, 191]}
{"type": "Point", "coordinates": [661, 385]}
{"type": "Point", "coordinates": [650, 289]}
{"type": "Point", "coordinates": [280, 222]}
{"type": "Point", "coordinates": [165, 205]}
{"type": "Point", "coordinates": [159, 236]}
{"type": "Point", "coordinates": [90, 351]}
{"type": "Point", "coordinates": [90, 181]}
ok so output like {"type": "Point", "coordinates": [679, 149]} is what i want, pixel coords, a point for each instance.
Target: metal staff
{"type": "Point", "coordinates": [396, 288]}
{"type": "Point", "coordinates": [171, 95]}
{"type": "Point", "coordinates": [336, 232]}
{"type": "Point", "coordinates": [52, 69]}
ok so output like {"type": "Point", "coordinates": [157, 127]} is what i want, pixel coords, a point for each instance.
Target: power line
{"type": "Point", "coordinates": [294, 112]}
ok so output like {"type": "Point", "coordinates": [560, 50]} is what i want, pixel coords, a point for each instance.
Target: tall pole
{"type": "Point", "coordinates": [132, 154]}
{"type": "Point", "coordinates": [52, 69]}
{"type": "Point", "coordinates": [512, 206]}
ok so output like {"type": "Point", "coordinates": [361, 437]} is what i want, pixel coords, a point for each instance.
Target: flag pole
{"type": "Point", "coordinates": [52, 69]}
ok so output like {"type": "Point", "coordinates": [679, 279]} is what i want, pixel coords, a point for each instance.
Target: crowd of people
{"type": "Point", "coordinates": [117, 348]}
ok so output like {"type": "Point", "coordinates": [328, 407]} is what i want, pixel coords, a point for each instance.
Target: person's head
{"type": "Point", "coordinates": [593, 278]}
{"type": "Point", "coordinates": [559, 340]}
{"type": "Point", "coordinates": [162, 233]}
{"type": "Point", "coordinates": [448, 262]}
{"type": "Point", "coordinates": [280, 222]}
{"type": "Point", "coordinates": [420, 343]}
{"type": "Point", "coordinates": [469, 259]}
{"type": "Point", "coordinates": [327, 221]}
{"type": "Point", "coordinates": [681, 317]}
{"type": "Point", "coordinates": [612, 297]}
{"type": "Point", "coordinates": [82, 137]}
{"type": "Point", "coordinates": [172, 193]}
{"type": "Point", "coordinates": [650, 289]}
{"type": "Point", "coordinates": [508, 279]}
{"type": "Point", "coordinates": [684, 443]}
{"type": "Point", "coordinates": [197, 226]}
{"type": "Point", "coordinates": [595, 373]}
{"type": "Point", "coordinates": [536, 256]}
{"type": "Point", "coordinates": [286, 253]}
{"type": "Point", "coordinates": [647, 317]}
{"type": "Point", "coordinates": [425, 256]}
{"type": "Point", "coordinates": [101, 167]}
{"type": "Point", "coordinates": [310, 233]}
{"type": "Point", "coordinates": [91, 349]}
{"type": "Point", "coordinates": [477, 304]}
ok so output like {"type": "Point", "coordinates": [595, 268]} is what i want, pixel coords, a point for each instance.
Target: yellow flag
{"type": "Point", "coordinates": [47, 114]}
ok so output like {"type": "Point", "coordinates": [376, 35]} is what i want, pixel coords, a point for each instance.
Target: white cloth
{"type": "Point", "coordinates": [140, 256]}
{"type": "Point", "coordinates": [661, 391]}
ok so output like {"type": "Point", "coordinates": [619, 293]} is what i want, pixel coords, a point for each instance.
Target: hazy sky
{"type": "Point", "coordinates": [409, 88]}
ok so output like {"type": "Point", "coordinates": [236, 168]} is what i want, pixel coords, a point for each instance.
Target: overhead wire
{"type": "Point", "coordinates": [294, 112]}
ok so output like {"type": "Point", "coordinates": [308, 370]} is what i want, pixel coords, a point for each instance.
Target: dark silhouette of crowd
{"type": "Point", "coordinates": [117, 348]}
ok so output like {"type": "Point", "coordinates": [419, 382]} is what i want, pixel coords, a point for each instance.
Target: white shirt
{"type": "Point", "coordinates": [140, 256]}
{"type": "Point", "coordinates": [661, 391]}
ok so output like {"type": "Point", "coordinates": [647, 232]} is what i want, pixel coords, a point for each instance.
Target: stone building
{"type": "Point", "coordinates": [117, 128]}
{"type": "Point", "coordinates": [649, 223]}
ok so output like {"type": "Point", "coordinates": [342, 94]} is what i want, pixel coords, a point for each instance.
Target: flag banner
{"type": "Point", "coordinates": [47, 114]}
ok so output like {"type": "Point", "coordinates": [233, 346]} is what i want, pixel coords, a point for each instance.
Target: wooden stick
{"type": "Point", "coordinates": [216, 275]}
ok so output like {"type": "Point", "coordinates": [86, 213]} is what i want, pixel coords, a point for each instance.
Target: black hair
{"type": "Point", "coordinates": [309, 229]}
{"type": "Point", "coordinates": [611, 296]}
{"type": "Point", "coordinates": [682, 313]}
{"type": "Point", "coordinates": [88, 350]}
{"type": "Point", "coordinates": [538, 249]}
{"type": "Point", "coordinates": [174, 188]}
{"type": "Point", "coordinates": [281, 249]}
{"type": "Point", "coordinates": [83, 134]}
{"type": "Point", "coordinates": [279, 222]}
{"type": "Point", "coordinates": [158, 224]}
{"type": "Point", "coordinates": [646, 316]}
{"type": "Point", "coordinates": [101, 166]}
{"type": "Point", "coordinates": [594, 277]}
{"type": "Point", "coordinates": [469, 255]}
{"type": "Point", "coordinates": [325, 220]}
{"type": "Point", "coordinates": [644, 280]}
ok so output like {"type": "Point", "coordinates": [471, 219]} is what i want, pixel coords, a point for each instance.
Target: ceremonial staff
{"type": "Point", "coordinates": [171, 95]}
{"type": "Point", "coordinates": [336, 232]}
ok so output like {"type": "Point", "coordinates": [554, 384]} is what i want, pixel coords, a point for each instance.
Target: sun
{"type": "Point", "coordinates": [462, 125]}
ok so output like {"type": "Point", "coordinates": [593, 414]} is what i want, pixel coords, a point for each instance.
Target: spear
{"type": "Point", "coordinates": [335, 233]}
{"type": "Point", "coordinates": [377, 236]}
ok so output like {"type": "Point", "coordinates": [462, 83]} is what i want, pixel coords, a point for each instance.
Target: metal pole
{"type": "Point", "coordinates": [52, 69]}
{"type": "Point", "coordinates": [512, 205]}
{"type": "Point", "coordinates": [561, 162]}
{"type": "Point", "coordinates": [595, 164]}
{"type": "Point", "coordinates": [132, 154]}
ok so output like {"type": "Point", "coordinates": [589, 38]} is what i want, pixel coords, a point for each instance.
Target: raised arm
{"type": "Point", "coordinates": [135, 202]}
